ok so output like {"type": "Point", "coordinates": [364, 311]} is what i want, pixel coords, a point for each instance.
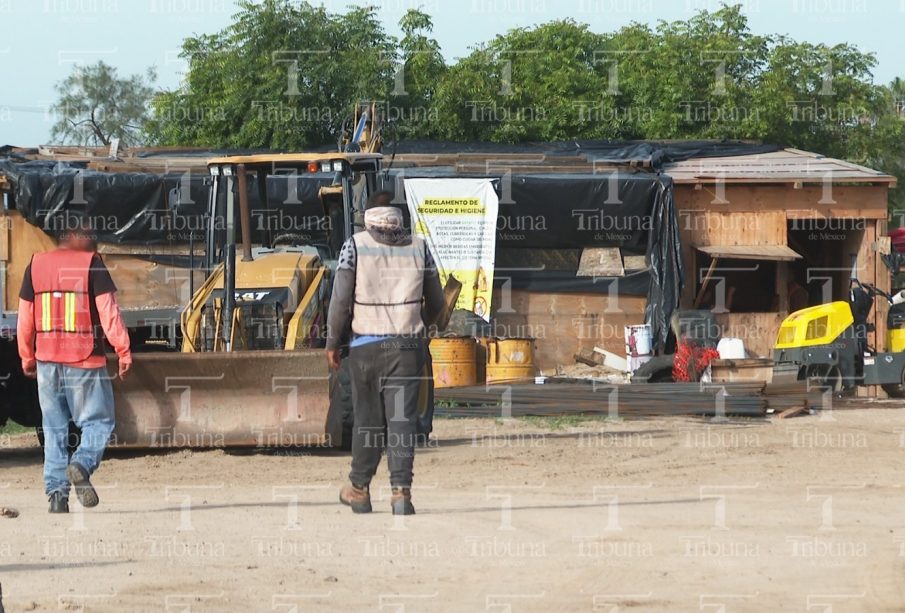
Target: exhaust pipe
{"type": "Point", "coordinates": [244, 213]}
{"type": "Point", "coordinates": [229, 294]}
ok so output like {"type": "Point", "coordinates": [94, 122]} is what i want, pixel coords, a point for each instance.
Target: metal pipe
{"type": "Point", "coordinates": [229, 294]}
{"type": "Point", "coordinates": [244, 213]}
{"type": "Point", "coordinates": [210, 241]}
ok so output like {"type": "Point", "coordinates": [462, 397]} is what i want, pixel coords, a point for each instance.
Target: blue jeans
{"type": "Point", "coordinates": [84, 396]}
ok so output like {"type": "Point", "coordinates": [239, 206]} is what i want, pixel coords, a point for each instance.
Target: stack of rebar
{"type": "Point", "coordinates": [623, 400]}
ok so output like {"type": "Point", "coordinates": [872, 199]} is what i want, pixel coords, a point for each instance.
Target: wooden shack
{"type": "Point", "coordinates": [766, 234]}
{"type": "Point", "coordinates": [761, 235]}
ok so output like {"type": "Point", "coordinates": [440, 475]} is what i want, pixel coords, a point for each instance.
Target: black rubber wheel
{"type": "Point", "coordinates": [826, 375]}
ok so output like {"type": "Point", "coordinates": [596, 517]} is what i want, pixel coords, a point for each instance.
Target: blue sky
{"type": "Point", "coordinates": [43, 38]}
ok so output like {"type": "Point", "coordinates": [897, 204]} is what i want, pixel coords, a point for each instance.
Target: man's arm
{"type": "Point", "coordinates": [25, 325]}
{"type": "Point", "coordinates": [111, 319]}
{"type": "Point", "coordinates": [339, 317]}
{"type": "Point", "coordinates": [114, 328]}
{"type": "Point", "coordinates": [433, 292]}
{"type": "Point", "coordinates": [25, 336]}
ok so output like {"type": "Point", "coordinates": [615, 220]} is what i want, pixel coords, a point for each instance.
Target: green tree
{"type": "Point", "coordinates": [283, 75]}
{"type": "Point", "coordinates": [420, 69]}
{"type": "Point", "coordinates": [529, 84]}
{"type": "Point", "coordinates": [96, 105]}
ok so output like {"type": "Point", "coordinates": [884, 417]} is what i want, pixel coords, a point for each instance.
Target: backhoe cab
{"type": "Point", "coordinates": [292, 213]}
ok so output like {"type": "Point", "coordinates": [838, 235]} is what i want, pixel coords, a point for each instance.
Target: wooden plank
{"type": "Point", "coordinates": [856, 201]}
{"type": "Point", "coordinates": [751, 252]}
{"type": "Point", "coordinates": [793, 412]}
{"type": "Point", "coordinates": [601, 262]}
{"type": "Point", "coordinates": [5, 227]}
{"type": "Point", "coordinates": [147, 250]}
{"type": "Point", "coordinates": [140, 284]}
{"type": "Point", "coordinates": [635, 262]}
{"type": "Point", "coordinates": [704, 228]}
{"type": "Point", "coordinates": [707, 276]}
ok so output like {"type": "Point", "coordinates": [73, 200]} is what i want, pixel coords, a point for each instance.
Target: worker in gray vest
{"type": "Point", "coordinates": [387, 288]}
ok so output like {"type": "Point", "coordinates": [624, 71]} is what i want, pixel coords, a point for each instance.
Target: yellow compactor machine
{"type": "Point", "coordinates": [828, 343]}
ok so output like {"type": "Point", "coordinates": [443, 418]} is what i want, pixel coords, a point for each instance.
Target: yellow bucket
{"type": "Point", "coordinates": [508, 359]}
{"type": "Point", "coordinates": [453, 361]}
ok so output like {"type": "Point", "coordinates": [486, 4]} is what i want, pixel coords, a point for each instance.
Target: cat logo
{"type": "Point", "coordinates": [251, 296]}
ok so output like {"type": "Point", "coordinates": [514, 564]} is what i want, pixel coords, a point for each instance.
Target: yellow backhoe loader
{"type": "Point", "coordinates": [252, 370]}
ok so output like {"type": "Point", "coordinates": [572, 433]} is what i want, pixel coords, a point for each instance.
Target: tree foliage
{"type": "Point", "coordinates": [282, 75]}
{"type": "Point", "coordinates": [285, 74]}
{"type": "Point", "coordinates": [95, 105]}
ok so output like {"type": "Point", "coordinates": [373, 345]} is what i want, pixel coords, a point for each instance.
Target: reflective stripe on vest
{"type": "Point", "coordinates": [61, 306]}
{"type": "Point", "coordinates": [60, 281]}
{"type": "Point", "coordinates": [389, 286]}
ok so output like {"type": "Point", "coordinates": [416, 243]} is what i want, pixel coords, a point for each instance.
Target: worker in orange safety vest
{"type": "Point", "coordinates": [67, 305]}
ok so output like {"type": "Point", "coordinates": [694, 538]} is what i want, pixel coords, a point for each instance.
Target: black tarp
{"type": "Point", "coordinates": [650, 153]}
{"type": "Point", "coordinates": [653, 154]}
{"type": "Point", "coordinates": [634, 211]}
{"type": "Point", "coordinates": [630, 209]}
{"type": "Point", "coordinates": [123, 207]}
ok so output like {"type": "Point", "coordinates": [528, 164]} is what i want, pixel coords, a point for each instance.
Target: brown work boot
{"type": "Point", "coordinates": [401, 501]}
{"type": "Point", "coordinates": [359, 498]}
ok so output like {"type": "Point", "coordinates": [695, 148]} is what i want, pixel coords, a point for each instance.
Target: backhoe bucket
{"type": "Point", "coordinates": [220, 399]}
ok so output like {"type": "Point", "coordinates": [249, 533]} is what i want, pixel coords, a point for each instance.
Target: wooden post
{"type": "Point", "coordinates": [710, 269]}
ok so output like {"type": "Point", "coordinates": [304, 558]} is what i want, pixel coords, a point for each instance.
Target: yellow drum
{"type": "Point", "coordinates": [453, 361]}
{"type": "Point", "coordinates": [508, 359]}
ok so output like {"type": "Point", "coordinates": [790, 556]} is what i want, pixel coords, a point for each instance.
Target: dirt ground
{"type": "Point", "coordinates": [805, 514]}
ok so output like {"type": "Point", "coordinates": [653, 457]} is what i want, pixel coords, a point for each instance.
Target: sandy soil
{"type": "Point", "coordinates": [806, 514]}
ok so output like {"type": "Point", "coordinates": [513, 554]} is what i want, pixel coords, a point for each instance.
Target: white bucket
{"type": "Point", "coordinates": [637, 340]}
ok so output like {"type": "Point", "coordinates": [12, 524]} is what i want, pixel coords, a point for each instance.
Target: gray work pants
{"type": "Point", "coordinates": [385, 382]}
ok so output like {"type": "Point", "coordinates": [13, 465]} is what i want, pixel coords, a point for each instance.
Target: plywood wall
{"type": "Point", "coordinates": [856, 201]}
{"type": "Point", "coordinates": [566, 323]}
{"type": "Point", "coordinates": [757, 330]}
{"type": "Point", "coordinates": [141, 284]}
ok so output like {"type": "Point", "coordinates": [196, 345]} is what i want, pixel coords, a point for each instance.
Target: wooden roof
{"type": "Point", "coordinates": [293, 158]}
{"type": "Point", "coordinates": [786, 166]}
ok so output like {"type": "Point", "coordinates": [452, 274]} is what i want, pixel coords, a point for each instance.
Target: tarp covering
{"type": "Point", "coordinates": [127, 207]}
{"type": "Point", "coordinates": [652, 153]}
{"type": "Point", "coordinates": [634, 211]}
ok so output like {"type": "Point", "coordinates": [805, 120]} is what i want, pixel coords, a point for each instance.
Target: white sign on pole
{"type": "Point", "coordinates": [457, 219]}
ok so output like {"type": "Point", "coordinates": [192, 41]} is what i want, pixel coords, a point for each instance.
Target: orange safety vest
{"type": "Point", "coordinates": [62, 306]}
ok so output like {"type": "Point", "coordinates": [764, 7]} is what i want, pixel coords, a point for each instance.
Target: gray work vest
{"type": "Point", "coordinates": [389, 286]}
